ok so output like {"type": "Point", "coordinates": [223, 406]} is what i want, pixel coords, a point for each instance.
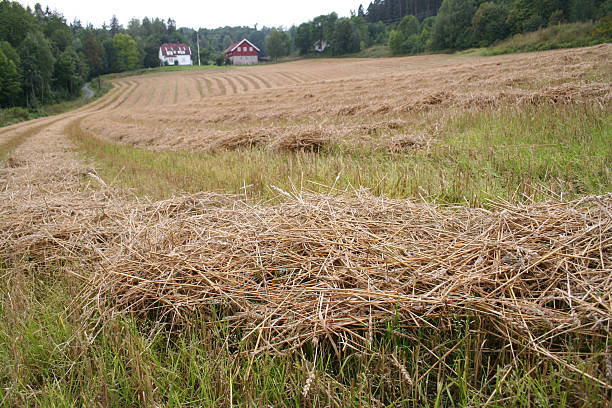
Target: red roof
{"type": "Point", "coordinates": [170, 50]}
{"type": "Point", "coordinates": [231, 48]}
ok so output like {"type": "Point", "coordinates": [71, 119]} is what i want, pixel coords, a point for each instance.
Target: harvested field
{"type": "Point", "coordinates": [344, 96]}
{"type": "Point", "coordinates": [326, 296]}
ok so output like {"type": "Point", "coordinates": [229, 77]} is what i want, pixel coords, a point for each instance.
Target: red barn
{"type": "Point", "coordinates": [243, 53]}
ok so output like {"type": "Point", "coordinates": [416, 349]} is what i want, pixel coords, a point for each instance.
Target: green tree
{"type": "Point", "coordinates": [15, 22]}
{"type": "Point", "coordinates": [37, 63]}
{"type": "Point", "coordinates": [126, 51]}
{"type": "Point", "coordinates": [489, 23]}
{"type": "Point", "coordinates": [303, 38]}
{"type": "Point", "coordinates": [110, 57]}
{"type": "Point", "coordinates": [55, 29]}
{"type": "Point", "coordinates": [396, 40]}
{"type": "Point", "coordinates": [70, 72]}
{"type": "Point", "coordinates": [277, 44]}
{"type": "Point", "coordinates": [453, 26]}
{"type": "Point", "coordinates": [378, 33]}
{"type": "Point", "coordinates": [94, 53]}
{"type": "Point", "coordinates": [323, 26]}
{"type": "Point", "coordinates": [151, 51]}
{"type": "Point", "coordinates": [227, 41]}
{"type": "Point", "coordinates": [10, 86]}
{"type": "Point", "coordinates": [10, 53]}
{"type": "Point", "coordinates": [409, 26]}
{"type": "Point", "coordinates": [115, 27]}
{"type": "Point", "coordinates": [426, 29]}
{"type": "Point", "coordinates": [346, 38]}
{"type": "Point", "coordinates": [412, 44]}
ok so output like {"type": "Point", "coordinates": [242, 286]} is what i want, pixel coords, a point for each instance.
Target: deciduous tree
{"type": "Point", "coordinates": [126, 51]}
{"type": "Point", "coordinates": [277, 44]}
{"type": "Point", "coordinates": [453, 26]}
{"type": "Point", "coordinates": [303, 38]}
{"type": "Point", "coordinates": [37, 63]}
{"type": "Point", "coordinates": [10, 86]}
{"type": "Point", "coordinates": [489, 23]}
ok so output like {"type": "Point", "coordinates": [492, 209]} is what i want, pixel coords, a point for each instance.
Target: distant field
{"type": "Point", "coordinates": [452, 128]}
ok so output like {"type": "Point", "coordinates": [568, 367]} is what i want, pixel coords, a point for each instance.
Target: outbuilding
{"type": "Point", "coordinates": [175, 54]}
{"type": "Point", "coordinates": [243, 53]}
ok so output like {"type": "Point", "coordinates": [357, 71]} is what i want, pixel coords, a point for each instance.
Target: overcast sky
{"type": "Point", "coordinates": [201, 14]}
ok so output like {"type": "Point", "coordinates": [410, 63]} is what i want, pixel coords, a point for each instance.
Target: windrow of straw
{"type": "Point", "coordinates": [334, 268]}
{"type": "Point", "coordinates": [321, 267]}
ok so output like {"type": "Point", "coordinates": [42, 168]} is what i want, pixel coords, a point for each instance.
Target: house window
{"type": "Point", "coordinates": [250, 48]}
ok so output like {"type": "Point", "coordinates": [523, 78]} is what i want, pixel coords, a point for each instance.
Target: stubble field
{"type": "Point", "coordinates": [431, 231]}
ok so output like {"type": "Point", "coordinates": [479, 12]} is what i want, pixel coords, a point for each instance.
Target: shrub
{"type": "Point", "coordinates": [489, 23]}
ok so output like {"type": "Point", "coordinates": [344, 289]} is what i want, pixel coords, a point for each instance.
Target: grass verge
{"type": "Point", "coordinates": [540, 152]}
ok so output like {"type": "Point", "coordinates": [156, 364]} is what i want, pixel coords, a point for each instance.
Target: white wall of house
{"type": "Point", "coordinates": [182, 59]}
{"type": "Point", "coordinates": [244, 59]}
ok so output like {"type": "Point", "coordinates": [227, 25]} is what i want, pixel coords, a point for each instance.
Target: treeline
{"type": "Point", "coordinates": [338, 36]}
{"type": "Point", "coordinates": [432, 25]}
{"type": "Point", "coordinates": [44, 60]}
{"type": "Point", "coordinates": [39, 59]}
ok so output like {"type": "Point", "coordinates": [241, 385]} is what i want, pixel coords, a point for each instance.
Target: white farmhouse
{"type": "Point", "coordinates": [173, 53]}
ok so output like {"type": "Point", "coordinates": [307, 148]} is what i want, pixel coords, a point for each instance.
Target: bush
{"type": "Point", "coordinates": [13, 115]}
{"type": "Point", "coordinates": [533, 23]}
{"type": "Point", "coordinates": [396, 40]}
{"type": "Point", "coordinates": [220, 59]}
{"type": "Point", "coordinates": [603, 29]}
{"type": "Point", "coordinates": [411, 44]}
{"type": "Point", "coordinates": [489, 23]}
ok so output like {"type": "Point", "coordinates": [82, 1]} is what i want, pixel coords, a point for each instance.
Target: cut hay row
{"type": "Point", "coordinates": [335, 269]}
{"type": "Point", "coordinates": [317, 266]}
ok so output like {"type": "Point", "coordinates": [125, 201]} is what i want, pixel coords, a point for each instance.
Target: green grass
{"type": "Point", "coordinates": [555, 37]}
{"type": "Point", "coordinates": [56, 353]}
{"type": "Point", "coordinates": [537, 152]}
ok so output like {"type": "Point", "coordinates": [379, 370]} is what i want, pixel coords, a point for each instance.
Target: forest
{"type": "Point", "coordinates": [44, 59]}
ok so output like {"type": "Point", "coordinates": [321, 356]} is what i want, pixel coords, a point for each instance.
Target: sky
{"type": "Point", "coordinates": [203, 13]}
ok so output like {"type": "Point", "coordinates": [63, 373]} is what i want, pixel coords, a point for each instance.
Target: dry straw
{"type": "Point", "coordinates": [325, 267]}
